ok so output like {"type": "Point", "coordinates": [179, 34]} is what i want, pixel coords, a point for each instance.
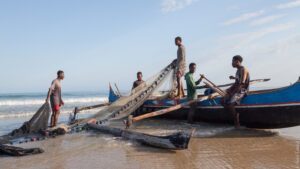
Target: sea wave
{"type": "Point", "coordinates": [30, 114]}
{"type": "Point", "coordinates": [41, 101]}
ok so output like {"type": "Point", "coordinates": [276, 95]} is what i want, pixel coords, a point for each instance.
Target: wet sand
{"type": "Point", "coordinates": [213, 146]}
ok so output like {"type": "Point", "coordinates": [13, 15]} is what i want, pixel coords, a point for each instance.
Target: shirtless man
{"type": "Point", "coordinates": [54, 95]}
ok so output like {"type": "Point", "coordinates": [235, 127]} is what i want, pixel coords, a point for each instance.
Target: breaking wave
{"type": "Point", "coordinates": [30, 114]}
{"type": "Point", "coordinates": [41, 101]}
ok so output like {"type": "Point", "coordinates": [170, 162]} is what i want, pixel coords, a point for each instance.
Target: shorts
{"type": "Point", "coordinates": [236, 98]}
{"type": "Point", "coordinates": [55, 107]}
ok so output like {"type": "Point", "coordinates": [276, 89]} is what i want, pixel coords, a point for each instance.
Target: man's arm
{"type": "Point", "coordinates": [52, 87]}
{"type": "Point", "coordinates": [133, 85]}
{"type": "Point", "coordinates": [62, 102]}
{"type": "Point", "coordinates": [199, 81]}
{"type": "Point", "coordinates": [48, 95]}
{"type": "Point", "coordinates": [235, 88]}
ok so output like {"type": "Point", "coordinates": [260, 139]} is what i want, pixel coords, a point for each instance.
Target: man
{"type": "Point", "coordinates": [180, 65]}
{"type": "Point", "coordinates": [192, 89]}
{"type": "Point", "coordinates": [54, 94]}
{"type": "Point", "coordinates": [238, 90]}
{"type": "Point", "coordinates": [138, 81]}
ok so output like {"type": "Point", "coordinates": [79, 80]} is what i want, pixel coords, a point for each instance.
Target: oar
{"type": "Point", "coordinates": [251, 82]}
{"type": "Point", "coordinates": [167, 110]}
{"type": "Point", "coordinates": [222, 93]}
{"type": "Point", "coordinates": [214, 87]}
{"type": "Point", "coordinates": [229, 84]}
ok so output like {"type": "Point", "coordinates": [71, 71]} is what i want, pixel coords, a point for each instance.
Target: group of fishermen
{"type": "Point", "coordinates": [233, 96]}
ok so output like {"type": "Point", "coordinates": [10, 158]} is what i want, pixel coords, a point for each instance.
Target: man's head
{"type": "Point", "coordinates": [139, 76]}
{"type": "Point", "coordinates": [192, 67]}
{"type": "Point", "coordinates": [237, 61]}
{"type": "Point", "coordinates": [60, 74]}
{"type": "Point", "coordinates": [178, 41]}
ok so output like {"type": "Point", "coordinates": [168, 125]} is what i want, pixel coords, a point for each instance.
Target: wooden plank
{"type": "Point", "coordinates": [175, 141]}
{"type": "Point", "coordinates": [167, 110]}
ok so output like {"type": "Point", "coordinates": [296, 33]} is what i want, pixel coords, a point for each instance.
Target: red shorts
{"type": "Point", "coordinates": [55, 107]}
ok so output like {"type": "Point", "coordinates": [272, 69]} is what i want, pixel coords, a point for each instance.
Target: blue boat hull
{"type": "Point", "coordinates": [275, 108]}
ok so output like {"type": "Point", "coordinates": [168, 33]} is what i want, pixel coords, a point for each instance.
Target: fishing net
{"type": "Point", "coordinates": [130, 102]}
{"type": "Point", "coordinates": [18, 151]}
{"type": "Point", "coordinates": [38, 123]}
{"type": "Point", "coordinates": [167, 88]}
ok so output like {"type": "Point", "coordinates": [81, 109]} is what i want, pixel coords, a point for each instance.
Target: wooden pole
{"type": "Point", "coordinates": [215, 89]}
{"type": "Point", "coordinates": [167, 110]}
{"type": "Point", "coordinates": [214, 86]}
{"type": "Point", "coordinates": [92, 107]}
{"type": "Point", "coordinates": [229, 84]}
{"type": "Point", "coordinates": [118, 90]}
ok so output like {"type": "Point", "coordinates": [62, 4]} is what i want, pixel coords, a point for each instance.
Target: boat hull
{"type": "Point", "coordinates": [275, 108]}
{"type": "Point", "coordinates": [260, 117]}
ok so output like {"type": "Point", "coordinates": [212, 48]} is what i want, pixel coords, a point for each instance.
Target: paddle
{"type": "Point", "coordinates": [167, 110]}
{"type": "Point", "coordinates": [229, 84]}
{"type": "Point", "coordinates": [214, 87]}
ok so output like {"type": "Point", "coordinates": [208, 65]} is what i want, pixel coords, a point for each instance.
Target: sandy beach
{"type": "Point", "coordinates": [213, 146]}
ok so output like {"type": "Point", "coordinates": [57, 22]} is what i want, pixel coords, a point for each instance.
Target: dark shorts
{"type": "Point", "coordinates": [236, 98]}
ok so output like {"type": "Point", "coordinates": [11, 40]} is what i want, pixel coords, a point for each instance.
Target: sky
{"type": "Point", "coordinates": [97, 42]}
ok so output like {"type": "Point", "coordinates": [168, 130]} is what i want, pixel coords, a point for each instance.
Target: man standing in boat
{"type": "Point", "coordinates": [192, 89]}
{"type": "Point", "coordinates": [180, 65]}
{"type": "Point", "coordinates": [138, 81]}
{"type": "Point", "coordinates": [54, 94]}
{"type": "Point", "coordinates": [238, 90]}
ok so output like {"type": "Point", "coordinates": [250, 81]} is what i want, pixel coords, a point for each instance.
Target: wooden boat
{"type": "Point", "coordinates": [274, 108]}
{"type": "Point", "coordinates": [175, 141]}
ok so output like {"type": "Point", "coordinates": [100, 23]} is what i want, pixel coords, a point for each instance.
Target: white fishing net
{"type": "Point", "coordinates": [135, 98]}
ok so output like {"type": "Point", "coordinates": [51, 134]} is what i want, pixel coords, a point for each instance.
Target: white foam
{"type": "Point", "coordinates": [30, 114]}
{"type": "Point", "coordinates": [41, 101]}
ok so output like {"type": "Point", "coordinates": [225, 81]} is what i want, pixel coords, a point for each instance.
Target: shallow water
{"type": "Point", "coordinates": [213, 146]}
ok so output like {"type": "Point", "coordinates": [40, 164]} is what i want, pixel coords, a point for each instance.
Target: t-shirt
{"type": "Point", "coordinates": [191, 86]}
{"type": "Point", "coordinates": [242, 77]}
{"type": "Point", "coordinates": [181, 59]}
{"type": "Point", "coordinates": [137, 83]}
{"type": "Point", "coordinates": [55, 97]}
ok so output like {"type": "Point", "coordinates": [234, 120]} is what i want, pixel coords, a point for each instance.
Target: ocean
{"type": "Point", "coordinates": [212, 146]}
{"type": "Point", "coordinates": [16, 108]}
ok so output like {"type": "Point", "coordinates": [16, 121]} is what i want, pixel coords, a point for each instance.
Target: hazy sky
{"type": "Point", "coordinates": [95, 42]}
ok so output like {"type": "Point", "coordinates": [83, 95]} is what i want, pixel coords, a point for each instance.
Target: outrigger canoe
{"type": "Point", "coordinates": [273, 108]}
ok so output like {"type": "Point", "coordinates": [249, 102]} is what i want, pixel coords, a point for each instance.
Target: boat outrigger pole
{"type": "Point", "coordinates": [132, 119]}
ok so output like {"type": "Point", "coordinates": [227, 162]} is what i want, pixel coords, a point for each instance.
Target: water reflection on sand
{"type": "Point", "coordinates": [214, 146]}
